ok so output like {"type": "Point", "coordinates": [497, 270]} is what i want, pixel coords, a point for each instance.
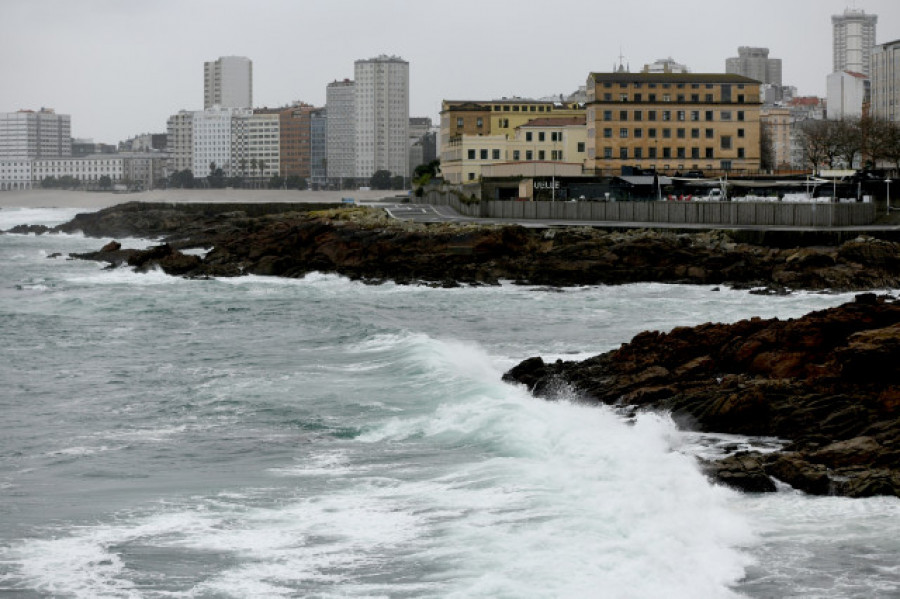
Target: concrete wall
{"type": "Point", "coordinates": [700, 213]}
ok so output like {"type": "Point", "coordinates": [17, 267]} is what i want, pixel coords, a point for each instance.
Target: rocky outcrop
{"type": "Point", "coordinates": [826, 383]}
{"type": "Point", "coordinates": [363, 244]}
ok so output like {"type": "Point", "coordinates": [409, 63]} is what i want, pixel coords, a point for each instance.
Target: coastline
{"type": "Point", "coordinates": [57, 198]}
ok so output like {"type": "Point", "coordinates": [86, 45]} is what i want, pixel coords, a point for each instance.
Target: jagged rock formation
{"type": "Point", "coordinates": [828, 383]}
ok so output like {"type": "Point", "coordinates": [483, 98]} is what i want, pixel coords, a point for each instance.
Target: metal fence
{"type": "Point", "coordinates": [694, 213]}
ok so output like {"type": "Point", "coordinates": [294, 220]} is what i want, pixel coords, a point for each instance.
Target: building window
{"type": "Point", "coordinates": [484, 154]}
{"type": "Point", "coordinates": [740, 115]}
{"type": "Point", "coordinates": [695, 98]}
{"type": "Point", "coordinates": [459, 122]}
{"type": "Point", "coordinates": [471, 154]}
{"type": "Point", "coordinates": [651, 97]}
{"type": "Point", "coordinates": [516, 155]}
{"type": "Point", "coordinates": [580, 146]}
{"type": "Point", "coordinates": [623, 115]}
{"type": "Point", "coordinates": [637, 97]}
{"type": "Point", "coordinates": [607, 152]}
{"type": "Point", "coordinates": [710, 134]}
{"type": "Point", "coordinates": [726, 142]}
{"type": "Point", "coordinates": [680, 97]}
{"type": "Point", "coordinates": [638, 153]}
{"type": "Point", "coordinates": [695, 133]}
{"type": "Point", "coordinates": [740, 133]}
{"type": "Point", "coordinates": [479, 122]}
{"type": "Point", "coordinates": [740, 98]}
{"type": "Point", "coordinates": [623, 132]}
{"type": "Point", "coordinates": [556, 154]}
{"type": "Point", "coordinates": [651, 152]}
{"type": "Point", "coordinates": [709, 153]}
{"type": "Point", "coordinates": [741, 153]}
{"type": "Point", "coordinates": [528, 136]}
{"type": "Point", "coordinates": [725, 115]}
{"type": "Point", "coordinates": [695, 115]}
{"type": "Point", "coordinates": [651, 133]}
{"type": "Point", "coordinates": [667, 97]}
{"type": "Point", "coordinates": [725, 165]}
{"type": "Point", "coordinates": [709, 115]}
{"type": "Point", "coordinates": [607, 132]}
{"type": "Point", "coordinates": [623, 97]}
{"type": "Point", "coordinates": [651, 115]}
{"type": "Point", "coordinates": [541, 155]}
{"type": "Point", "coordinates": [667, 152]}
{"type": "Point", "coordinates": [695, 153]}
{"type": "Point", "coordinates": [529, 155]}
{"type": "Point", "coordinates": [679, 133]}
{"type": "Point", "coordinates": [638, 115]}
{"type": "Point", "coordinates": [540, 136]}
{"type": "Point", "coordinates": [680, 114]}
{"type": "Point", "coordinates": [495, 154]}
{"type": "Point", "coordinates": [681, 153]}
{"type": "Point", "coordinates": [607, 115]}
{"type": "Point", "coordinates": [471, 176]}
{"type": "Point", "coordinates": [623, 153]}
{"type": "Point", "coordinates": [667, 115]}
{"type": "Point", "coordinates": [667, 133]}
{"type": "Point", "coordinates": [638, 133]}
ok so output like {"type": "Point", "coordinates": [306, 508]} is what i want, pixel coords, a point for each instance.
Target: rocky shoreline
{"type": "Point", "coordinates": [826, 383]}
{"type": "Point", "coordinates": [292, 240]}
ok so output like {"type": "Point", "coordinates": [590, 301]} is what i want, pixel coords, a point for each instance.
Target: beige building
{"type": "Point", "coordinates": [777, 122]}
{"type": "Point", "coordinates": [479, 135]}
{"type": "Point", "coordinates": [672, 122]}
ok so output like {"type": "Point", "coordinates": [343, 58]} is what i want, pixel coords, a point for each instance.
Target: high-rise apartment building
{"type": "Point", "coordinates": [382, 116]}
{"type": "Point", "coordinates": [212, 140]}
{"type": "Point", "coordinates": [885, 82]}
{"type": "Point", "coordinates": [180, 141]}
{"type": "Point", "coordinates": [755, 64]}
{"type": "Point", "coordinates": [29, 134]}
{"type": "Point", "coordinates": [854, 38]}
{"type": "Point", "coordinates": [295, 140]}
{"type": "Point", "coordinates": [228, 82]}
{"type": "Point", "coordinates": [318, 147]}
{"type": "Point", "coordinates": [340, 101]}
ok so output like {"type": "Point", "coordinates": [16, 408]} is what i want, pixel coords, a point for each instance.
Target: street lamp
{"type": "Point", "coordinates": [888, 183]}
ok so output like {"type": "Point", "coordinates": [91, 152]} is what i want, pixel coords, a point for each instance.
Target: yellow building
{"type": "Point", "coordinates": [672, 122]}
{"type": "Point", "coordinates": [475, 135]}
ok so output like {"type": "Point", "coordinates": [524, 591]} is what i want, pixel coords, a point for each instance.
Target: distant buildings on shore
{"type": "Point", "coordinates": [664, 118]}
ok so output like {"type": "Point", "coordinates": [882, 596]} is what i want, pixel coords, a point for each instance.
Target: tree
{"type": "Point", "coordinates": [296, 182]}
{"type": "Point", "coordinates": [261, 165]}
{"type": "Point", "coordinates": [380, 180]}
{"type": "Point", "coordinates": [216, 178]}
{"type": "Point", "coordinates": [183, 179]}
{"type": "Point", "coordinates": [816, 144]}
{"type": "Point", "coordinates": [234, 182]}
{"type": "Point", "coordinates": [243, 165]}
{"type": "Point", "coordinates": [276, 182]}
{"type": "Point", "coordinates": [766, 150]}
{"type": "Point", "coordinates": [397, 182]}
{"type": "Point", "coordinates": [49, 182]}
{"type": "Point", "coordinates": [105, 182]}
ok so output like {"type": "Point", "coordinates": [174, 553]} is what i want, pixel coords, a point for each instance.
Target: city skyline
{"type": "Point", "coordinates": [121, 68]}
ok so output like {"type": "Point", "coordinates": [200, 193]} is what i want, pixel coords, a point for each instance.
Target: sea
{"type": "Point", "coordinates": [318, 437]}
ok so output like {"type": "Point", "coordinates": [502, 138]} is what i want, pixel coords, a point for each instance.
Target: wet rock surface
{"type": "Point", "coordinates": [362, 243]}
{"type": "Point", "coordinates": [827, 383]}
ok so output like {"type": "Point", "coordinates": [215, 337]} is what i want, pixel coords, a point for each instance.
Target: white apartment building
{"type": "Point", "coordinates": [665, 65]}
{"type": "Point", "coordinates": [846, 94]}
{"type": "Point", "coordinates": [228, 82]}
{"type": "Point", "coordinates": [886, 81]}
{"type": "Point", "coordinates": [15, 174]}
{"type": "Point", "coordinates": [212, 131]}
{"type": "Point", "coordinates": [255, 140]}
{"type": "Point", "coordinates": [853, 40]}
{"type": "Point", "coordinates": [87, 169]}
{"type": "Point", "coordinates": [29, 134]}
{"type": "Point", "coordinates": [382, 116]}
{"type": "Point", "coordinates": [180, 142]}
{"type": "Point", "coordinates": [340, 103]}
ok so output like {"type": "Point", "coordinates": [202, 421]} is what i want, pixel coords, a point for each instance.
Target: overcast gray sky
{"type": "Point", "coordinates": [121, 67]}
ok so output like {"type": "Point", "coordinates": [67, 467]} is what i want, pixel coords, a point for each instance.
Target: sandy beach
{"type": "Point", "coordinates": [54, 198]}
